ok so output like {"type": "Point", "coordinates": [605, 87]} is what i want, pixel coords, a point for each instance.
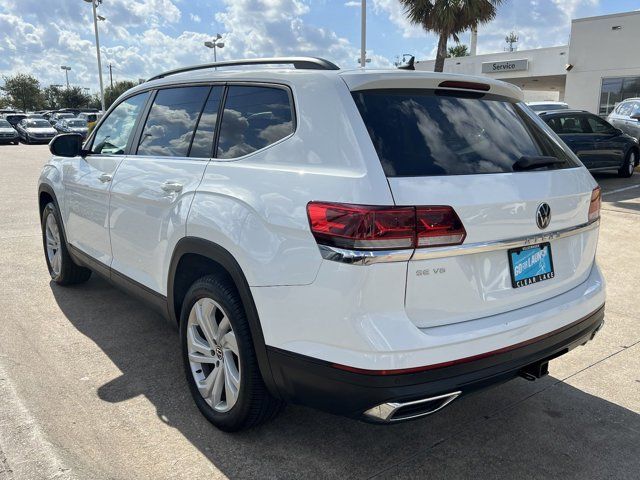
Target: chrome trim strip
{"type": "Point", "coordinates": [369, 257]}
{"type": "Point", "coordinates": [481, 247]}
{"type": "Point", "coordinates": [385, 412]}
{"type": "Point", "coordinates": [364, 257]}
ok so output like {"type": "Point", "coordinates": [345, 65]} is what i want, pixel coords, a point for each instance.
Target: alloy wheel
{"type": "Point", "coordinates": [52, 234]}
{"type": "Point", "coordinates": [213, 354]}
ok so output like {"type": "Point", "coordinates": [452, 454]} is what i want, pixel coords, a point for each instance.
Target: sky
{"type": "Point", "coordinates": [140, 38]}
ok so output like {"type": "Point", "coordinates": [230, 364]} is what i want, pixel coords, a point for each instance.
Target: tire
{"type": "Point", "coordinates": [62, 268]}
{"type": "Point", "coordinates": [214, 300]}
{"type": "Point", "coordinates": [629, 164]}
{"type": "Point", "coordinates": [26, 139]}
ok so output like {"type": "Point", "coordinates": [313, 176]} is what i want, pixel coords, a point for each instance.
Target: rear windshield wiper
{"type": "Point", "coordinates": [531, 163]}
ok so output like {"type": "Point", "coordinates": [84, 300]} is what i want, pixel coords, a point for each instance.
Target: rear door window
{"type": "Point", "coordinates": [253, 118]}
{"type": "Point", "coordinates": [431, 133]}
{"type": "Point", "coordinates": [172, 121]}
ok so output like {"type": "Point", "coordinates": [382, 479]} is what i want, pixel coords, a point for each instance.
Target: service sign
{"type": "Point", "coordinates": [506, 66]}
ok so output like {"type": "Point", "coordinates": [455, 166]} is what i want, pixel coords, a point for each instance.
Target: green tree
{"type": "Point", "coordinates": [23, 91]}
{"type": "Point", "coordinates": [112, 93]}
{"type": "Point", "coordinates": [459, 50]}
{"type": "Point", "coordinates": [73, 97]}
{"type": "Point", "coordinates": [448, 18]}
{"type": "Point", "coordinates": [51, 97]}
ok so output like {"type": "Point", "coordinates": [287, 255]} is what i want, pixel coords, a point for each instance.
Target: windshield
{"type": "Point", "coordinates": [38, 124]}
{"type": "Point", "coordinates": [4, 123]}
{"type": "Point", "coordinates": [65, 115]}
{"type": "Point", "coordinates": [77, 123]}
{"type": "Point", "coordinates": [434, 132]}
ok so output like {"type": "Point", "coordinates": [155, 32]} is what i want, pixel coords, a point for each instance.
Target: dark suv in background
{"type": "Point", "coordinates": [598, 144]}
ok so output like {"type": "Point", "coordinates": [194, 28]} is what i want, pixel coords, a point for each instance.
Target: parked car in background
{"type": "Point", "coordinates": [35, 130]}
{"type": "Point", "coordinates": [57, 116]}
{"type": "Point", "coordinates": [442, 241]}
{"type": "Point", "coordinates": [35, 115]}
{"type": "Point", "coordinates": [91, 118]}
{"type": "Point", "coordinates": [4, 111]}
{"type": "Point", "coordinates": [72, 125]}
{"type": "Point", "coordinates": [626, 117]}
{"type": "Point", "coordinates": [547, 106]}
{"type": "Point", "coordinates": [8, 134]}
{"type": "Point", "coordinates": [597, 143]}
{"type": "Point", "coordinates": [14, 118]}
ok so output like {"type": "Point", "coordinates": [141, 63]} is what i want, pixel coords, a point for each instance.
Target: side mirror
{"type": "Point", "coordinates": [635, 116]}
{"type": "Point", "coordinates": [66, 145]}
{"type": "Point", "coordinates": [617, 131]}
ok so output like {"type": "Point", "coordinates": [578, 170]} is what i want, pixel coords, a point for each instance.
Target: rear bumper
{"type": "Point", "coordinates": [319, 384]}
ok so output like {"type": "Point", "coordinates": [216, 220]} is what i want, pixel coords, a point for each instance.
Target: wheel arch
{"type": "Point", "coordinates": [195, 257]}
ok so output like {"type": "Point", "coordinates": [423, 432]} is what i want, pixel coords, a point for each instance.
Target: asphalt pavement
{"type": "Point", "coordinates": [91, 385]}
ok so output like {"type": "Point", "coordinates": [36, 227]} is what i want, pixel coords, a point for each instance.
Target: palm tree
{"type": "Point", "coordinates": [448, 18]}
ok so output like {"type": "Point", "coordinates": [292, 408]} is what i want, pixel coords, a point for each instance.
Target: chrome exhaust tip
{"type": "Point", "coordinates": [399, 411]}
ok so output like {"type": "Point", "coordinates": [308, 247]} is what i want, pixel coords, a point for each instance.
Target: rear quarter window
{"type": "Point", "coordinates": [432, 133]}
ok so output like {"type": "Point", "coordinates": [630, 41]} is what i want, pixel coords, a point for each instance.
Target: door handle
{"type": "Point", "coordinates": [171, 187]}
{"type": "Point", "coordinates": [105, 177]}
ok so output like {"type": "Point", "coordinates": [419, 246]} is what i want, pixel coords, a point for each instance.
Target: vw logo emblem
{"type": "Point", "coordinates": [543, 216]}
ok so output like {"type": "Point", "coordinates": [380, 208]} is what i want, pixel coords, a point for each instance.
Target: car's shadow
{"type": "Point", "coordinates": [560, 431]}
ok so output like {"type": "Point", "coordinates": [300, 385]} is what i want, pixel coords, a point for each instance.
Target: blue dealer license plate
{"type": "Point", "coordinates": [530, 264]}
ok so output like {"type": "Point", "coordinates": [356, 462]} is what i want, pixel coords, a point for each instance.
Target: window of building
{"type": "Point", "coordinates": [253, 118]}
{"type": "Point", "coordinates": [616, 89]}
{"type": "Point", "coordinates": [172, 121]}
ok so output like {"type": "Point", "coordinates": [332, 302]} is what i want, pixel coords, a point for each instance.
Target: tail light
{"type": "Point", "coordinates": [362, 227]}
{"type": "Point", "coordinates": [594, 205]}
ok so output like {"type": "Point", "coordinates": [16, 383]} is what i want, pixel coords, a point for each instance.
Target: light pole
{"type": "Point", "coordinates": [66, 73]}
{"type": "Point", "coordinates": [94, 5]}
{"type": "Point", "coordinates": [363, 33]}
{"type": "Point", "coordinates": [215, 44]}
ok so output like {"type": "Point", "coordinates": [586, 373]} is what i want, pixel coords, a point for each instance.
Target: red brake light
{"type": "Point", "coordinates": [594, 205]}
{"type": "Point", "coordinates": [439, 226]}
{"type": "Point", "coordinates": [362, 227]}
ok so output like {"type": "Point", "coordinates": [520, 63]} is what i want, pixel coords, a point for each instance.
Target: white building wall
{"type": "Point", "coordinates": [542, 62]}
{"type": "Point", "coordinates": [596, 51]}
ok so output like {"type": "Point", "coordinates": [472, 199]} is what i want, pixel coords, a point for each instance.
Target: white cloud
{"type": "Point", "coordinates": [352, 4]}
{"type": "Point", "coordinates": [143, 37]}
{"type": "Point", "coordinates": [396, 14]}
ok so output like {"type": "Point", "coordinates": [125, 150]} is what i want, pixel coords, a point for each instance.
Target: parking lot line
{"type": "Point", "coordinates": [617, 190]}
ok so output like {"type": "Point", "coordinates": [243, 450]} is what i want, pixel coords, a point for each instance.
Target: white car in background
{"type": "Point", "coordinates": [626, 117]}
{"type": "Point", "coordinates": [8, 134]}
{"type": "Point", "coordinates": [371, 243]}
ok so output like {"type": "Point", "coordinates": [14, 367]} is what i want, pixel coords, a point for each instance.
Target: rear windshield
{"type": "Point", "coordinates": [428, 133]}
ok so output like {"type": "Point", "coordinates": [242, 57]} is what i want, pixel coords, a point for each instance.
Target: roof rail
{"type": "Point", "coordinates": [301, 63]}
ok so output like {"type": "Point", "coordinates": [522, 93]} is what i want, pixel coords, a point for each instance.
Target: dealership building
{"type": "Point", "coordinates": [597, 69]}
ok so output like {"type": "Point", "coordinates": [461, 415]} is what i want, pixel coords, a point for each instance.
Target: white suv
{"type": "Point", "coordinates": [370, 243]}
